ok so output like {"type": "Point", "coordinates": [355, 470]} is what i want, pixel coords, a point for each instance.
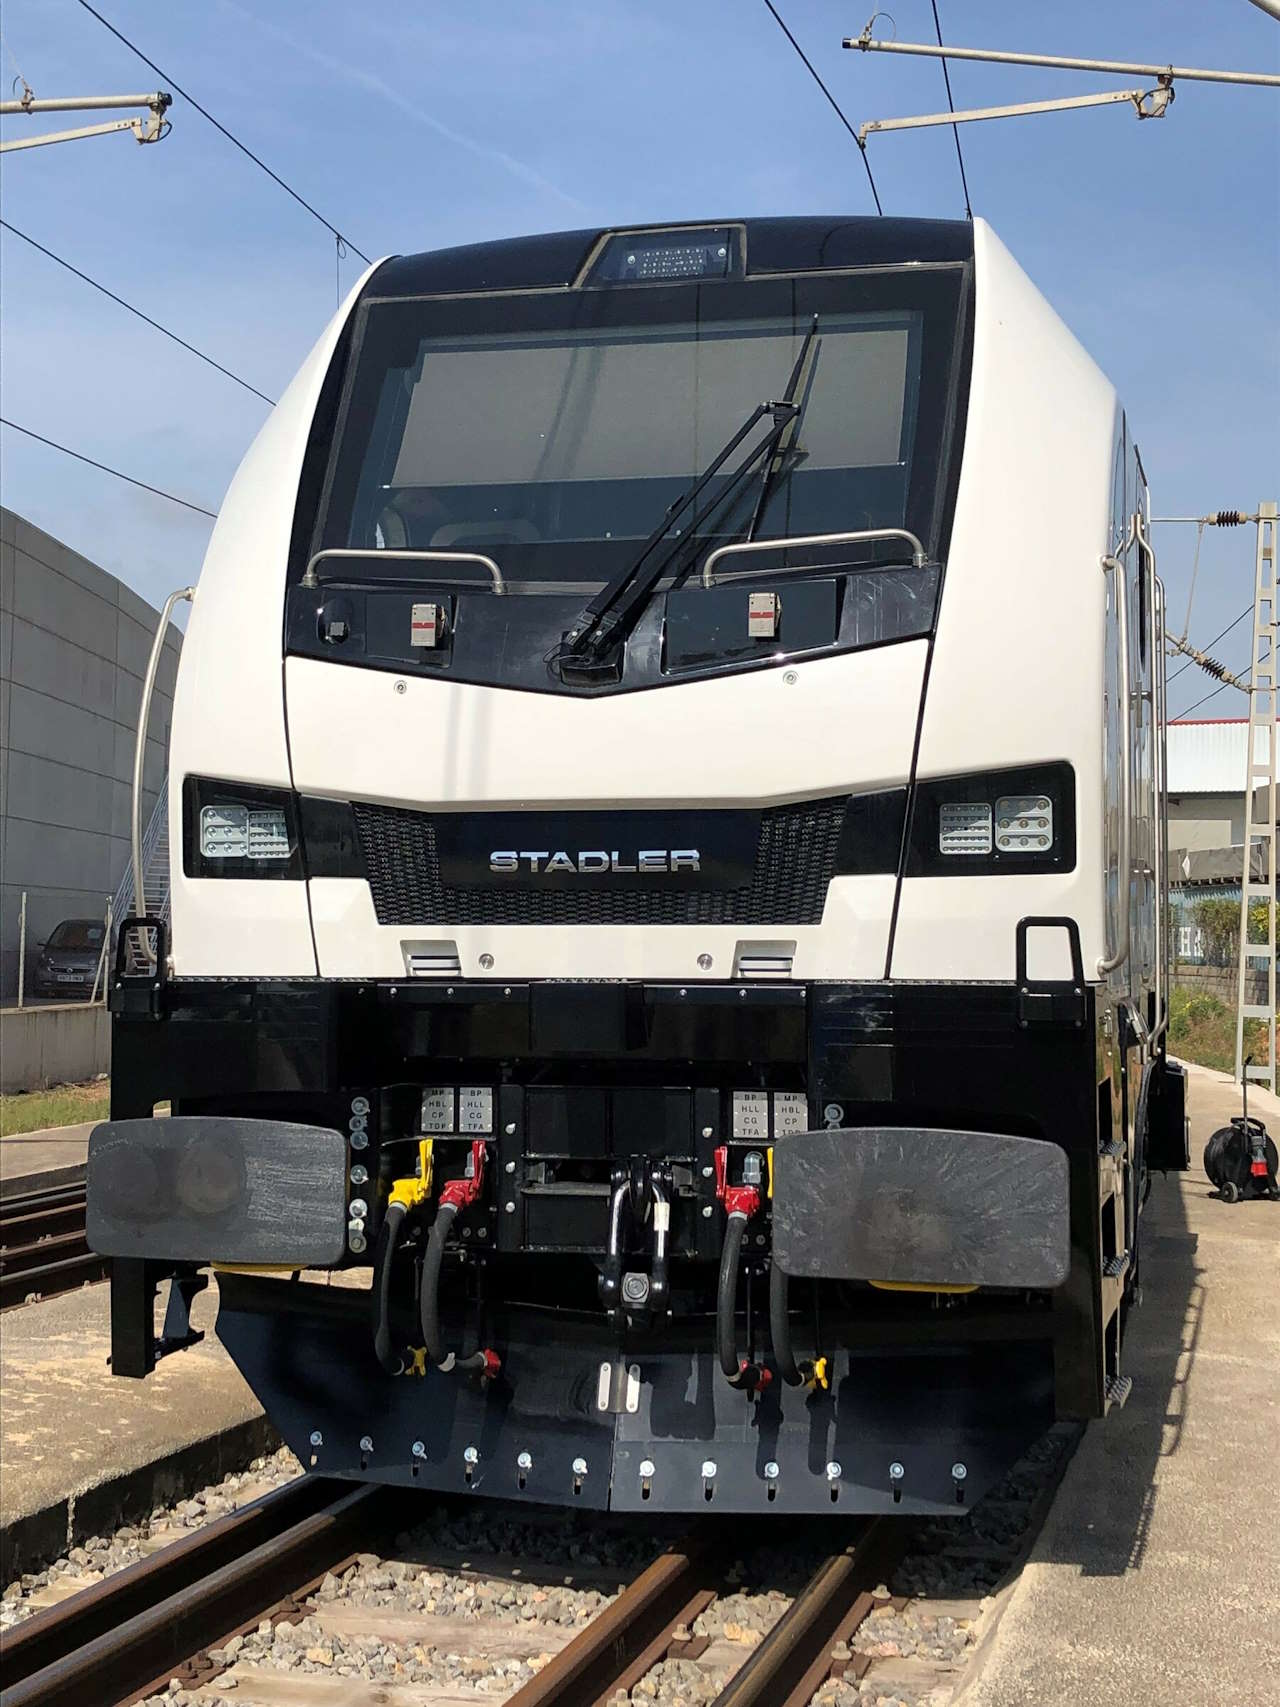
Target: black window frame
{"type": "Point", "coordinates": [940, 291]}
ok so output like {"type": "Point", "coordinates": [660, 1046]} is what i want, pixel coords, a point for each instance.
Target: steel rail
{"type": "Point", "coordinates": [37, 1212]}
{"type": "Point", "coordinates": [625, 1640]}
{"type": "Point", "coordinates": [40, 1252]}
{"type": "Point", "coordinates": [50, 1278]}
{"type": "Point", "coordinates": [121, 1636]}
{"type": "Point", "coordinates": [42, 1245]}
{"type": "Point", "coordinates": [795, 1657]}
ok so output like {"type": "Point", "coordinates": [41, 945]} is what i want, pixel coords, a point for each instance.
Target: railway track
{"type": "Point", "coordinates": [114, 1641]}
{"type": "Point", "coordinates": [42, 1245]}
{"type": "Point", "coordinates": [321, 1591]}
{"type": "Point", "coordinates": [124, 1638]}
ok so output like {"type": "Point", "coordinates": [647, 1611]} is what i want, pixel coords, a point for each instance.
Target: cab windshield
{"type": "Point", "coordinates": [552, 430]}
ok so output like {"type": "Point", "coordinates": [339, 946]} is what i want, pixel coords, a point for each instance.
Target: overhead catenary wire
{"type": "Point", "coordinates": [834, 104]}
{"type": "Point", "coordinates": [107, 469]}
{"type": "Point", "coordinates": [951, 107]}
{"type": "Point", "coordinates": [172, 82]}
{"type": "Point", "coordinates": [1211, 695]}
{"type": "Point", "coordinates": [155, 324]}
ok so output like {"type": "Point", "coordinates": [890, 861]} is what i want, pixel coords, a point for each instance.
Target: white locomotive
{"type": "Point", "coordinates": [667, 880]}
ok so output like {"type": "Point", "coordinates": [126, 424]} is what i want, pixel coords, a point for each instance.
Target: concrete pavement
{"type": "Point", "coordinates": [82, 1451]}
{"type": "Point", "coordinates": [1156, 1578]}
{"type": "Point", "coordinates": [29, 1161]}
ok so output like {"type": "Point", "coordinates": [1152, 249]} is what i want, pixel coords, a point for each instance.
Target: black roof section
{"type": "Point", "coordinates": [773, 246]}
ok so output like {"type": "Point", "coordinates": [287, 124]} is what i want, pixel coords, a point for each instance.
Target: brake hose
{"type": "Point", "coordinates": [780, 1327]}
{"type": "Point", "coordinates": [727, 1296]}
{"type": "Point", "coordinates": [383, 1262]}
{"type": "Point", "coordinates": [485, 1361]}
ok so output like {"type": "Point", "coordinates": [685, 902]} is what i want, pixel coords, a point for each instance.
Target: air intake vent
{"type": "Point", "coordinates": [431, 959]}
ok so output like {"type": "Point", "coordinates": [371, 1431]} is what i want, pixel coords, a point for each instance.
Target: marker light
{"type": "Point", "coordinates": [964, 827]}
{"type": "Point", "coordinates": [1024, 823]}
{"type": "Point", "coordinates": [643, 257]}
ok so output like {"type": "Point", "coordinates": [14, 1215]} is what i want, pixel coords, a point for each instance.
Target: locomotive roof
{"type": "Point", "coordinates": [797, 245]}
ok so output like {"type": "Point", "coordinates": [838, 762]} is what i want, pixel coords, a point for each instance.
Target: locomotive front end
{"type": "Point", "coordinates": [639, 906]}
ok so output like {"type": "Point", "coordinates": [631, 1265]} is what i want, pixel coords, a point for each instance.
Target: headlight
{"type": "Point", "coordinates": [239, 830]}
{"type": "Point", "coordinates": [1005, 821]}
{"type": "Point", "coordinates": [964, 827]}
{"type": "Point", "coordinates": [1024, 822]}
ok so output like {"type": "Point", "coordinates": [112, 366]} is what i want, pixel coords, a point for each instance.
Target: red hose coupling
{"type": "Point", "coordinates": [462, 1193]}
{"type": "Point", "coordinates": [492, 1365]}
{"type": "Point", "coordinates": [741, 1200]}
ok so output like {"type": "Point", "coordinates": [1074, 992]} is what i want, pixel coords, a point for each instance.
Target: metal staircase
{"type": "Point", "coordinates": [1260, 803]}
{"type": "Point", "coordinates": [154, 901]}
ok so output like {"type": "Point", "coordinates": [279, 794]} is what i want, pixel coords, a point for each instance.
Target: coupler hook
{"type": "Point", "coordinates": [640, 1196]}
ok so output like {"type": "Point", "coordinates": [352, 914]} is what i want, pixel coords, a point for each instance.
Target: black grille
{"type": "Point", "coordinates": [795, 860]}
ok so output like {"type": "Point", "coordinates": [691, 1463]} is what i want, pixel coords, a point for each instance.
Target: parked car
{"type": "Point", "coordinates": [68, 961]}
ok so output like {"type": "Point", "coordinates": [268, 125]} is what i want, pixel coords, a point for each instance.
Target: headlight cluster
{"type": "Point", "coordinates": [1004, 821]}
{"type": "Point", "coordinates": [234, 829]}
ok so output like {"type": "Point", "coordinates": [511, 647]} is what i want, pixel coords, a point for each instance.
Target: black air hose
{"type": "Point", "coordinates": [727, 1295]}
{"type": "Point", "coordinates": [429, 1300]}
{"type": "Point", "coordinates": [383, 1262]}
{"type": "Point", "coordinates": [430, 1296]}
{"type": "Point", "coordinates": [780, 1327]}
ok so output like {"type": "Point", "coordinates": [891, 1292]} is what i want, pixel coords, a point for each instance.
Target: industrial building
{"type": "Point", "coordinates": [74, 643]}
{"type": "Point", "coordinates": [1206, 759]}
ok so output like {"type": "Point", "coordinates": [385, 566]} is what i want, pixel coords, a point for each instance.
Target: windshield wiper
{"type": "Point", "coordinates": [605, 623]}
{"type": "Point", "coordinates": [773, 464]}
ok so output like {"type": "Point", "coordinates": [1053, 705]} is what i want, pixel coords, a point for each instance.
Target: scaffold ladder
{"type": "Point", "coordinates": [1260, 805]}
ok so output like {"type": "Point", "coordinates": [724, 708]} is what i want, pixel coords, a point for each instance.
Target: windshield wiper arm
{"type": "Point", "coordinates": [603, 623]}
{"type": "Point", "coordinates": [773, 463]}
{"type": "Point", "coordinates": [607, 620]}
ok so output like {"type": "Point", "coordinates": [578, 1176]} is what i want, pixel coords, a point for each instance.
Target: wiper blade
{"type": "Point", "coordinates": [607, 620]}
{"type": "Point", "coordinates": [773, 463]}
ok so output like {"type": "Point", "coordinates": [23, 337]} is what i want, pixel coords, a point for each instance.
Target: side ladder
{"type": "Point", "coordinates": [1260, 804]}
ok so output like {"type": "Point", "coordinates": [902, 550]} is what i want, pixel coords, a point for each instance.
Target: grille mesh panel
{"type": "Point", "coordinates": [795, 861]}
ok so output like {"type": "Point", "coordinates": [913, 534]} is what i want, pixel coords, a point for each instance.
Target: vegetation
{"type": "Point", "coordinates": [60, 1105]}
{"type": "Point", "coordinates": [1220, 922]}
{"type": "Point", "coordinates": [1203, 1029]}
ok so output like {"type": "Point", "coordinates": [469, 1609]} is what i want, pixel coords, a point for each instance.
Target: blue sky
{"type": "Point", "coordinates": [412, 126]}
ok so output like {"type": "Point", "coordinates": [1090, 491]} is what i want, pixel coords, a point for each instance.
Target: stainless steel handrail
{"type": "Point", "coordinates": [1124, 874]}
{"type": "Point", "coordinates": [140, 745]}
{"type": "Point", "coordinates": [919, 557]}
{"type": "Point", "coordinates": [1158, 665]}
{"type": "Point", "coordinates": [499, 585]}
